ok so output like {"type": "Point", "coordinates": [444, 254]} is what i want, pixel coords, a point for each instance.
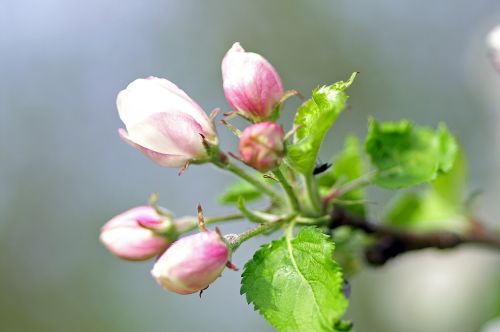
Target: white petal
{"type": "Point", "coordinates": [165, 160]}
{"type": "Point", "coordinates": [144, 97]}
{"type": "Point", "coordinates": [169, 133]}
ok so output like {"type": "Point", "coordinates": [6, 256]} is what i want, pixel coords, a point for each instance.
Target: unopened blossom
{"type": "Point", "coordinates": [164, 123]}
{"type": "Point", "coordinates": [192, 262]}
{"type": "Point", "coordinates": [261, 145]}
{"type": "Point", "coordinates": [251, 84]}
{"type": "Point", "coordinates": [134, 234]}
{"type": "Point", "coordinates": [493, 43]}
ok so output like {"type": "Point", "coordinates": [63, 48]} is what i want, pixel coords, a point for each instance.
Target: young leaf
{"type": "Point", "coordinates": [438, 207]}
{"type": "Point", "coordinates": [451, 186]}
{"type": "Point", "coordinates": [347, 166]}
{"type": "Point", "coordinates": [349, 249]}
{"type": "Point", "coordinates": [406, 155]}
{"type": "Point", "coordinates": [425, 212]}
{"type": "Point", "coordinates": [448, 148]}
{"type": "Point", "coordinates": [313, 119]}
{"type": "Point", "coordinates": [295, 284]}
{"type": "Point", "coordinates": [240, 189]}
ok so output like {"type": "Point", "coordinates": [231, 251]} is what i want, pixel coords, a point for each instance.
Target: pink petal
{"type": "Point", "coordinates": [145, 97]}
{"type": "Point", "coordinates": [162, 159]}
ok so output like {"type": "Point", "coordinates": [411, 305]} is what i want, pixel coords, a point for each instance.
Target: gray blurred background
{"type": "Point", "coordinates": [64, 170]}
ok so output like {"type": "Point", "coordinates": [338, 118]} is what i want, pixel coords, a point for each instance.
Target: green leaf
{"type": "Point", "coordinates": [240, 189]}
{"type": "Point", "coordinates": [451, 186]}
{"type": "Point", "coordinates": [346, 167]}
{"type": "Point", "coordinates": [448, 148]}
{"type": "Point", "coordinates": [425, 212]}
{"type": "Point", "coordinates": [295, 284]}
{"type": "Point", "coordinates": [314, 118]}
{"type": "Point", "coordinates": [406, 155]}
{"type": "Point", "coordinates": [349, 249]}
{"type": "Point", "coordinates": [439, 207]}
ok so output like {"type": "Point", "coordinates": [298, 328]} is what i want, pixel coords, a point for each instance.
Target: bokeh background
{"type": "Point", "coordinates": [64, 171]}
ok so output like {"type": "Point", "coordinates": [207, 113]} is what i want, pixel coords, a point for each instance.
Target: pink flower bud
{"type": "Point", "coordinates": [251, 84]}
{"type": "Point", "coordinates": [163, 122]}
{"type": "Point", "coordinates": [131, 235]}
{"type": "Point", "coordinates": [192, 263]}
{"type": "Point", "coordinates": [261, 145]}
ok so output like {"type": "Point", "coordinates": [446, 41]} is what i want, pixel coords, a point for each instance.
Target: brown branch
{"type": "Point", "coordinates": [391, 242]}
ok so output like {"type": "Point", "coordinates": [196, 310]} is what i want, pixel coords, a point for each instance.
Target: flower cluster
{"type": "Point", "coordinates": [186, 265]}
{"type": "Point", "coordinates": [298, 282]}
{"type": "Point", "coordinates": [170, 128]}
{"type": "Point", "coordinates": [309, 202]}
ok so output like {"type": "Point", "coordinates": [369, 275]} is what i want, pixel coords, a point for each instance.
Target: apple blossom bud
{"type": "Point", "coordinates": [261, 145]}
{"type": "Point", "coordinates": [251, 84]}
{"type": "Point", "coordinates": [131, 235]}
{"type": "Point", "coordinates": [164, 123]}
{"type": "Point", "coordinates": [192, 262]}
{"type": "Point", "coordinates": [493, 43]}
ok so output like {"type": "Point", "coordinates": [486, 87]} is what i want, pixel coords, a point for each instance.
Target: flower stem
{"type": "Point", "coordinates": [227, 165]}
{"type": "Point", "coordinates": [229, 217]}
{"type": "Point", "coordinates": [259, 230]}
{"type": "Point", "coordinates": [312, 195]}
{"type": "Point", "coordinates": [288, 189]}
{"type": "Point", "coordinates": [313, 221]}
{"type": "Point", "coordinates": [358, 183]}
{"type": "Point", "coordinates": [255, 216]}
{"type": "Point", "coordinates": [289, 231]}
{"type": "Point", "coordinates": [191, 224]}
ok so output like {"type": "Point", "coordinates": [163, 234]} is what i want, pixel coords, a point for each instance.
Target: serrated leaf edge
{"type": "Point", "coordinates": [288, 240]}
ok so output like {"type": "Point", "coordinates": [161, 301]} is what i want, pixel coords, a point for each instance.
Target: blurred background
{"type": "Point", "coordinates": [64, 171]}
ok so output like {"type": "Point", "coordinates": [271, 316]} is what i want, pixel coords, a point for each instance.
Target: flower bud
{"type": "Point", "coordinates": [493, 43]}
{"type": "Point", "coordinates": [131, 234]}
{"type": "Point", "coordinates": [251, 84]}
{"type": "Point", "coordinates": [192, 263]}
{"type": "Point", "coordinates": [261, 145]}
{"type": "Point", "coordinates": [164, 123]}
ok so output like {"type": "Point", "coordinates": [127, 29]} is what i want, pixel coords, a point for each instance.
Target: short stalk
{"type": "Point", "coordinates": [256, 216]}
{"type": "Point", "coordinates": [312, 195]}
{"type": "Point", "coordinates": [227, 165]}
{"type": "Point", "coordinates": [292, 198]}
{"type": "Point", "coordinates": [245, 236]}
{"type": "Point", "coordinates": [358, 183]}
{"type": "Point", "coordinates": [229, 217]}
{"type": "Point", "coordinates": [211, 221]}
{"type": "Point", "coordinates": [313, 221]}
{"type": "Point", "coordinates": [289, 231]}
